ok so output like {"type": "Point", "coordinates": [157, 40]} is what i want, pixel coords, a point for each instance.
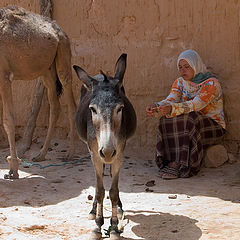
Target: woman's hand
{"type": "Point", "coordinates": [163, 110]}
{"type": "Point", "coordinates": [150, 109]}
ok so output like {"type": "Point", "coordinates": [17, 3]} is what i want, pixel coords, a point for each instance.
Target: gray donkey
{"type": "Point", "coordinates": [105, 120]}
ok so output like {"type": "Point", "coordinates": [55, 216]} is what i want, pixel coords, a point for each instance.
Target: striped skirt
{"type": "Point", "coordinates": [184, 138]}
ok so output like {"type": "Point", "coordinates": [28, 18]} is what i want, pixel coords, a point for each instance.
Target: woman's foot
{"type": "Point", "coordinates": [169, 176]}
{"type": "Point", "coordinates": [170, 171]}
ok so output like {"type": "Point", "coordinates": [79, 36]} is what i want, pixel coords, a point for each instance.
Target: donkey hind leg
{"type": "Point", "coordinates": [49, 81]}
{"type": "Point", "coordinates": [99, 196]}
{"type": "Point", "coordinates": [9, 126]}
{"type": "Point", "coordinates": [64, 71]}
{"type": "Point", "coordinates": [115, 199]}
{"type": "Point", "coordinates": [93, 212]}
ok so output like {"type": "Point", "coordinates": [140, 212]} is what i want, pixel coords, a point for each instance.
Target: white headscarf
{"type": "Point", "coordinates": [193, 60]}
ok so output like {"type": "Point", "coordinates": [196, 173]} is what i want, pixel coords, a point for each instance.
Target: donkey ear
{"type": "Point", "coordinates": [83, 76]}
{"type": "Point", "coordinates": [120, 67]}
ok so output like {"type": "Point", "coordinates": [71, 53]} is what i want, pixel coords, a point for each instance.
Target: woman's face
{"type": "Point", "coordinates": [185, 70]}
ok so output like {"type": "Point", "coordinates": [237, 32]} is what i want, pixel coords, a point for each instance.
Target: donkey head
{"type": "Point", "coordinates": [106, 106]}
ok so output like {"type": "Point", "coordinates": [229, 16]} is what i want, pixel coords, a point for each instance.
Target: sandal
{"type": "Point", "coordinates": [162, 171]}
{"type": "Point", "coordinates": [165, 170]}
{"type": "Point", "coordinates": [170, 173]}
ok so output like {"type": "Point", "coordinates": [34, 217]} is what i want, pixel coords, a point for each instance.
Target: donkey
{"type": "Point", "coordinates": [31, 46]}
{"type": "Point", "coordinates": [105, 119]}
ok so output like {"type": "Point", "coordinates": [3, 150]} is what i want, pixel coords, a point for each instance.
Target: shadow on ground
{"type": "Point", "coordinates": [156, 226]}
{"type": "Point", "coordinates": [56, 184]}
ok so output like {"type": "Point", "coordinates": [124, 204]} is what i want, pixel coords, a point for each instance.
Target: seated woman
{"type": "Point", "coordinates": [192, 118]}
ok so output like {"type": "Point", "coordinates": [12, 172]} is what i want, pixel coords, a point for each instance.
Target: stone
{"type": "Point", "coordinates": [232, 158]}
{"type": "Point", "coordinates": [215, 156]}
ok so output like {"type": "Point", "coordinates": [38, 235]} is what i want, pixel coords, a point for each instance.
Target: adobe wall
{"type": "Point", "coordinates": [152, 33]}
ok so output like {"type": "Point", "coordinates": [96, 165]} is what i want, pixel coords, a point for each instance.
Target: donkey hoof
{"type": "Point", "coordinates": [11, 175]}
{"type": "Point", "coordinates": [114, 235]}
{"type": "Point", "coordinates": [96, 235]}
{"type": "Point", "coordinates": [91, 216]}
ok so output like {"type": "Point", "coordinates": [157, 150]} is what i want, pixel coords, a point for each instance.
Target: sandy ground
{"type": "Point", "coordinates": [53, 203]}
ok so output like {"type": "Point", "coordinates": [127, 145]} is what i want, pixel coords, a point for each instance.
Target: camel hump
{"type": "Point", "coordinates": [22, 24]}
{"type": "Point", "coordinates": [29, 36]}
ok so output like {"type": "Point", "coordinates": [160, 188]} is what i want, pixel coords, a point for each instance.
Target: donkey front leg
{"type": "Point", "coordinates": [114, 196]}
{"type": "Point", "coordinates": [98, 202]}
{"type": "Point", "coordinates": [93, 212]}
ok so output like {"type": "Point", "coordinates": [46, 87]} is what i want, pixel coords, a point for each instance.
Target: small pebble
{"type": "Point", "coordinates": [172, 196]}
{"type": "Point", "coordinates": [150, 183]}
{"type": "Point", "coordinates": [90, 197]}
{"type": "Point", "coordinates": [148, 190]}
{"type": "Point", "coordinates": [26, 202]}
{"type": "Point", "coordinates": [57, 181]}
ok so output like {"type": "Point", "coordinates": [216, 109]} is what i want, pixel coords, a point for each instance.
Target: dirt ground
{"type": "Point", "coordinates": [54, 202]}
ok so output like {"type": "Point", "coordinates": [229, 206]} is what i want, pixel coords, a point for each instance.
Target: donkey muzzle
{"type": "Point", "coordinates": [107, 154]}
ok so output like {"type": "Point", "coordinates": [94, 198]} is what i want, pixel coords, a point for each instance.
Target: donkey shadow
{"type": "Point", "coordinates": [157, 225]}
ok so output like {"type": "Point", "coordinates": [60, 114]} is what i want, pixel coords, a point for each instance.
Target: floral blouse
{"type": "Point", "coordinates": [206, 97]}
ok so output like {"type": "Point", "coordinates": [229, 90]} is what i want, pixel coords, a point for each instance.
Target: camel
{"type": "Point", "coordinates": [31, 46]}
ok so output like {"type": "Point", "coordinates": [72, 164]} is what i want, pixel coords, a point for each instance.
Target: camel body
{"type": "Point", "coordinates": [34, 46]}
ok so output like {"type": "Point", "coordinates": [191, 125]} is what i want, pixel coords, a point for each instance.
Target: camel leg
{"type": "Point", "coordinates": [49, 81]}
{"type": "Point", "coordinates": [64, 72]}
{"type": "Point", "coordinates": [26, 141]}
{"type": "Point", "coordinates": [46, 8]}
{"type": "Point", "coordinates": [9, 126]}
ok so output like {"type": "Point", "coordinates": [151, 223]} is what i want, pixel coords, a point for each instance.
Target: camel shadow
{"type": "Point", "coordinates": [157, 226]}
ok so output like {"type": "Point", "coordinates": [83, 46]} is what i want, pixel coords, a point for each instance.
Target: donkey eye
{"type": "Point", "coordinates": [93, 110]}
{"type": "Point", "coordinates": [119, 109]}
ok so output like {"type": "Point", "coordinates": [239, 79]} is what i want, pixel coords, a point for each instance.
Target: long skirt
{"type": "Point", "coordinates": [184, 138]}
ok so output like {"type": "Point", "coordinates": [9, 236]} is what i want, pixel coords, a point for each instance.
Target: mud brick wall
{"type": "Point", "coordinates": [152, 33]}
